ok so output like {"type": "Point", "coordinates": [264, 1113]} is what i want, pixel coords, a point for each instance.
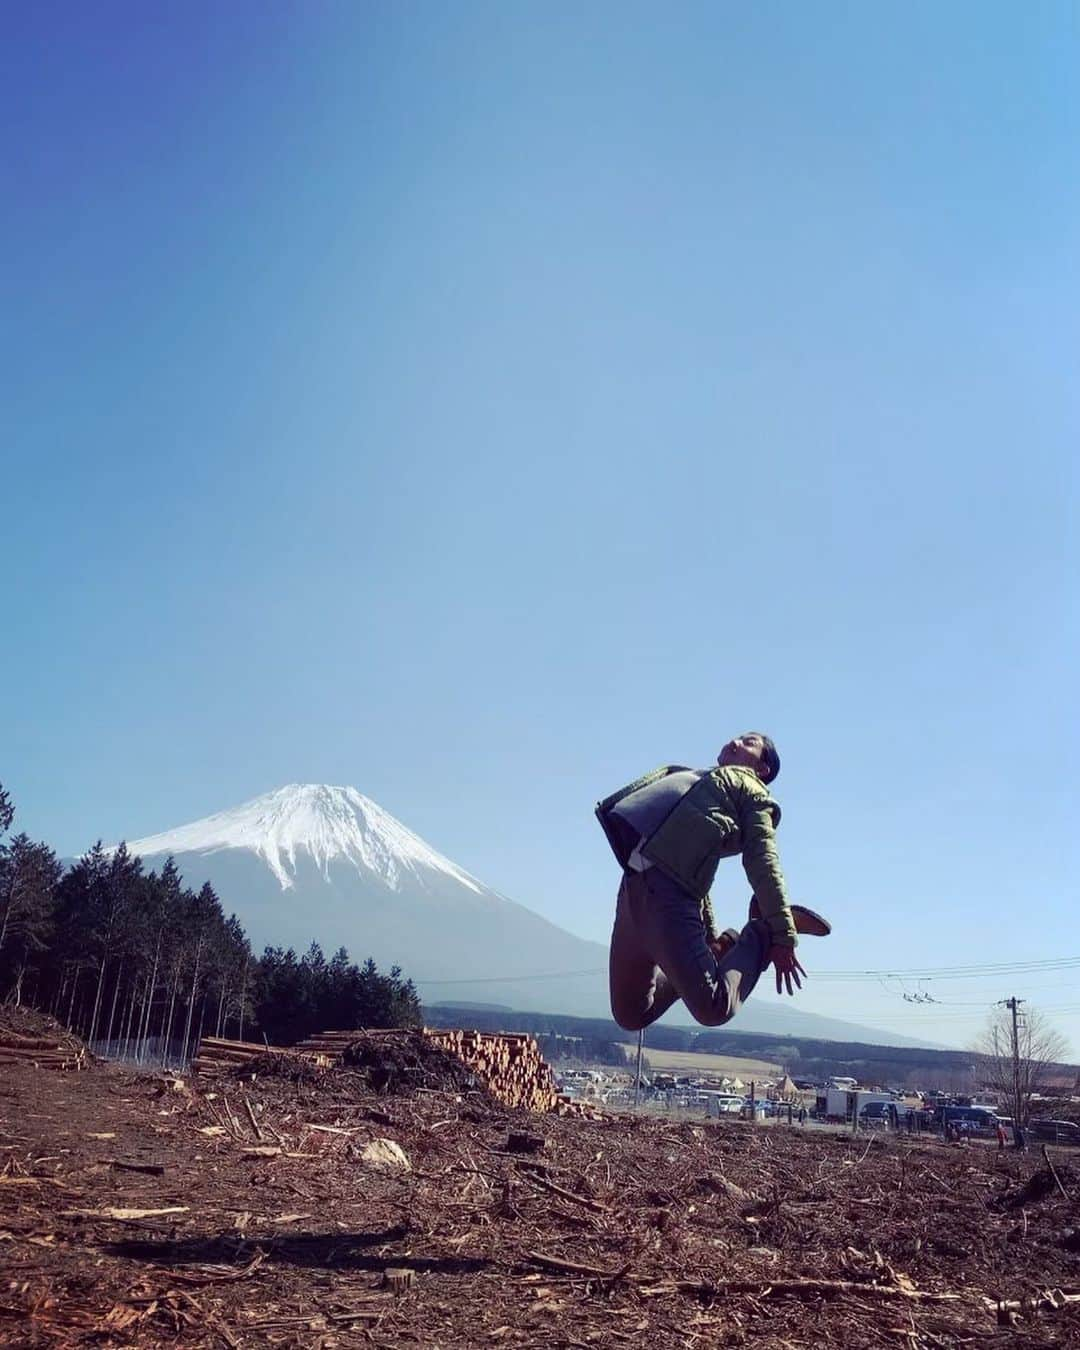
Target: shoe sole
{"type": "Point", "coordinates": [808, 922]}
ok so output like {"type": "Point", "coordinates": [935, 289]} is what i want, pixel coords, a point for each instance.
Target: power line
{"type": "Point", "coordinates": [980, 971]}
{"type": "Point", "coordinates": [977, 971]}
{"type": "Point", "coordinates": [517, 979]}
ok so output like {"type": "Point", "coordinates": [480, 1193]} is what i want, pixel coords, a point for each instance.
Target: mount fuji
{"type": "Point", "coordinates": [310, 862]}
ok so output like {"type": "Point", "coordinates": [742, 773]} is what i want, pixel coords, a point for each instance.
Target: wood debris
{"type": "Point", "coordinates": [617, 1232]}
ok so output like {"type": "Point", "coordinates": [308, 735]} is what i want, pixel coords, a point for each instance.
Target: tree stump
{"type": "Point", "coordinates": [398, 1279]}
{"type": "Point", "coordinates": [519, 1141]}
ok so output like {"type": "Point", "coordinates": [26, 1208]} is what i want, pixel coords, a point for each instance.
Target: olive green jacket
{"type": "Point", "coordinates": [728, 811]}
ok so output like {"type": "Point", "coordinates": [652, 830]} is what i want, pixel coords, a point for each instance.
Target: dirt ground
{"type": "Point", "coordinates": [135, 1210]}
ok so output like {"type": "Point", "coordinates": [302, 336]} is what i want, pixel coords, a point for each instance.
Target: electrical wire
{"type": "Point", "coordinates": [986, 970]}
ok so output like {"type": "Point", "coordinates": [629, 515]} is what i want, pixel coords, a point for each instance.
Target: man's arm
{"type": "Point", "coordinates": [708, 918]}
{"type": "Point", "coordinates": [761, 863]}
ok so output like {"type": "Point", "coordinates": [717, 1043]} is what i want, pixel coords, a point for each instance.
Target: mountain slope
{"type": "Point", "coordinates": [316, 863]}
{"type": "Point", "coordinates": [310, 862]}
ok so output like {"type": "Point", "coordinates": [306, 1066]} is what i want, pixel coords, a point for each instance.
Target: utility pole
{"type": "Point", "coordinates": [637, 1079]}
{"type": "Point", "coordinates": [1013, 1005]}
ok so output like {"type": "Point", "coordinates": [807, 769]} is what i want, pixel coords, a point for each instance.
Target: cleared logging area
{"type": "Point", "coordinates": [301, 1208]}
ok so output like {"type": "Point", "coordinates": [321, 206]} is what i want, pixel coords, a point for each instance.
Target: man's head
{"type": "Point", "coordinates": [752, 750]}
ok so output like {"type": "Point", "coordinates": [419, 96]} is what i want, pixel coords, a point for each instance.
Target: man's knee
{"type": "Point", "coordinates": [631, 1016]}
{"type": "Point", "coordinates": [713, 1012]}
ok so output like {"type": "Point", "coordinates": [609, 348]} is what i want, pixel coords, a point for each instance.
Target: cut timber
{"type": "Point", "coordinates": [45, 1052]}
{"type": "Point", "coordinates": [113, 1212]}
{"type": "Point", "coordinates": [216, 1055]}
{"type": "Point", "coordinates": [510, 1066]}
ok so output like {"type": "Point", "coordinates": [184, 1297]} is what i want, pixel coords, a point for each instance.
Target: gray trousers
{"type": "Point", "coordinates": [659, 954]}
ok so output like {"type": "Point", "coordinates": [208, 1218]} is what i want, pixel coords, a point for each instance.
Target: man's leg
{"type": "Point", "coordinates": [640, 992]}
{"type": "Point", "coordinates": [669, 926]}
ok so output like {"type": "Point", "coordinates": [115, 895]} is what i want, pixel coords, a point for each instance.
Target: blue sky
{"type": "Point", "coordinates": [481, 404]}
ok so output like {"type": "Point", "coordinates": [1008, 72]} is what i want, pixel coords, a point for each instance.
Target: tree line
{"type": "Point", "coordinates": [142, 966]}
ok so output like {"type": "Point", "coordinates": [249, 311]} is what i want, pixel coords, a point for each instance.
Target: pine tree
{"type": "Point", "coordinates": [124, 956]}
{"type": "Point", "coordinates": [113, 898]}
{"type": "Point", "coordinates": [204, 912]}
{"type": "Point", "coordinates": [283, 1010]}
{"type": "Point", "coordinates": [29, 874]}
{"type": "Point", "coordinates": [73, 952]}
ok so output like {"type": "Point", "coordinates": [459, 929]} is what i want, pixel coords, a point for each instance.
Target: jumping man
{"type": "Point", "coordinates": [669, 831]}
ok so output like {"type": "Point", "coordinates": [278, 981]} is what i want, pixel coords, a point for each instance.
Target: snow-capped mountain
{"type": "Point", "coordinates": [325, 823]}
{"type": "Point", "coordinates": [310, 862]}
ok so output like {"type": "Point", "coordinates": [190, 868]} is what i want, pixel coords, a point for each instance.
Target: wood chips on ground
{"type": "Point", "coordinates": [138, 1210]}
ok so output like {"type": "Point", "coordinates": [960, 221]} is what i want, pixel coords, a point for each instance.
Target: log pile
{"type": "Point", "coordinates": [509, 1065]}
{"type": "Point", "coordinates": [217, 1055]}
{"type": "Point", "coordinates": [333, 1044]}
{"type": "Point", "coordinates": [59, 1051]}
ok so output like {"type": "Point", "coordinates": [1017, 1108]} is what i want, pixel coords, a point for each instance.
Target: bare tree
{"type": "Point", "coordinates": [1017, 1071]}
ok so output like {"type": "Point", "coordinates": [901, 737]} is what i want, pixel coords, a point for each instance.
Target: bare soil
{"type": "Point", "coordinates": [271, 1228]}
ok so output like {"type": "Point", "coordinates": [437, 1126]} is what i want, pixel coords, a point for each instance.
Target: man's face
{"type": "Point", "coordinates": [745, 750]}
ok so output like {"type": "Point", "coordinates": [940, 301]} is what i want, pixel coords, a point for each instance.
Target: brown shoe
{"type": "Point", "coordinates": [723, 943]}
{"type": "Point", "coordinates": [806, 920]}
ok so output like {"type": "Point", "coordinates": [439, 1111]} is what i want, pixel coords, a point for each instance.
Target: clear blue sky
{"type": "Point", "coordinates": [479, 404]}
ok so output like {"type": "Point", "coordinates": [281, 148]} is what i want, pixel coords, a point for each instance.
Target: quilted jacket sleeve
{"type": "Point", "coordinates": [761, 861]}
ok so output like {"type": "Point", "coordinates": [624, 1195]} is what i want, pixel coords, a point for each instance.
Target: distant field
{"type": "Point", "coordinates": [686, 1062]}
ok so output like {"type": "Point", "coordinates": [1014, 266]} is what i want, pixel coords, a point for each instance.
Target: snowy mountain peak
{"type": "Point", "coordinates": [326, 823]}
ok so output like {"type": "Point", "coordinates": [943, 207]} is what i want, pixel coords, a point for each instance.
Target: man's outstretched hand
{"type": "Point", "coordinates": [787, 968]}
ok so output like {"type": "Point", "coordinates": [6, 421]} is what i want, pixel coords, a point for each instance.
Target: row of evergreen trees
{"type": "Point", "coordinates": [142, 965]}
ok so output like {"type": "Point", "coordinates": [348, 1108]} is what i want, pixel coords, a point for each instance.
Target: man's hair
{"type": "Point", "coordinates": [770, 760]}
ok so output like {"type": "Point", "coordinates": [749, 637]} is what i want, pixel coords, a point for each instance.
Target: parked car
{"type": "Point", "coordinates": [1054, 1131]}
{"type": "Point", "coordinates": [724, 1104]}
{"type": "Point", "coordinates": [979, 1120]}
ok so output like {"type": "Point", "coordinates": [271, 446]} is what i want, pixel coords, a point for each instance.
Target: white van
{"type": "Point", "coordinates": [724, 1104]}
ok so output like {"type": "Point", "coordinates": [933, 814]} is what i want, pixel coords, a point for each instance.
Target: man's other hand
{"type": "Point", "coordinates": [788, 968]}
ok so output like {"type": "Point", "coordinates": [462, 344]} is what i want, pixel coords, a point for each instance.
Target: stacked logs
{"type": "Point", "coordinates": [59, 1051]}
{"type": "Point", "coordinates": [509, 1065]}
{"type": "Point", "coordinates": [333, 1044]}
{"type": "Point", "coordinates": [513, 1070]}
{"type": "Point", "coordinates": [217, 1055]}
